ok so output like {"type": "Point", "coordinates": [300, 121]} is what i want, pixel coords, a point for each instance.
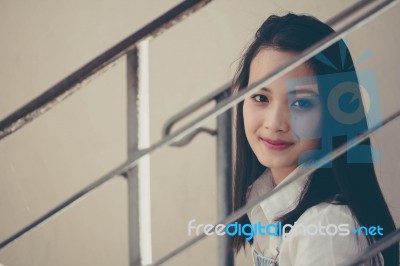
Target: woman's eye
{"type": "Point", "coordinates": [302, 104]}
{"type": "Point", "coordinates": [260, 98]}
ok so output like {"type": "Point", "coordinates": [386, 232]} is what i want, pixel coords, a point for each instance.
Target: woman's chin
{"type": "Point", "coordinates": [276, 164]}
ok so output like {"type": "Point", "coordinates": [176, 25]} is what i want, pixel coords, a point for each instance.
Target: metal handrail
{"type": "Point", "coordinates": [220, 108]}
{"type": "Point", "coordinates": [167, 127]}
{"type": "Point", "coordinates": [70, 84]}
{"type": "Point", "coordinates": [329, 157]}
{"type": "Point", "coordinates": [213, 96]}
{"type": "Point", "coordinates": [353, 8]}
{"type": "Point", "coordinates": [375, 248]}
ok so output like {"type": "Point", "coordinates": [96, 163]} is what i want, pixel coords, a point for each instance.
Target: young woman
{"type": "Point", "coordinates": [280, 128]}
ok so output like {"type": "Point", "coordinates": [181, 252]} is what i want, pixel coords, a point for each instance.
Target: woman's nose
{"type": "Point", "coordinates": [277, 118]}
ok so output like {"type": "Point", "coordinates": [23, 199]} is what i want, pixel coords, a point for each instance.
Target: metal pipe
{"type": "Point", "coordinates": [132, 69]}
{"type": "Point", "coordinates": [193, 107]}
{"type": "Point", "coordinates": [350, 10]}
{"type": "Point", "coordinates": [213, 96]}
{"type": "Point", "coordinates": [72, 83]}
{"type": "Point", "coordinates": [226, 87]}
{"type": "Point", "coordinates": [220, 108]}
{"type": "Point", "coordinates": [319, 163]}
{"type": "Point", "coordinates": [138, 178]}
{"type": "Point", "coordinates": [224, 179]}
{"type": "Point", "coordinates": [375, 248]}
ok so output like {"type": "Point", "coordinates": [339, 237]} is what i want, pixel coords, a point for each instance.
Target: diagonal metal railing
{"type": "Point", "coordinates": [135, 47]}
{"type": "Point", "coordinates": [168, 125]}
{"type": "Point", "coordinates": [309, 170]}
{"type": "Point", "coordinates": [220, 108]}
{"type": "Point", "coordinates": [70, 84]}
{"type": "Point", "coordinates": [375, 248]}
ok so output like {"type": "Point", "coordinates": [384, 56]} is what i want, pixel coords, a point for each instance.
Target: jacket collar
{"type": "Point", "coordinates": [286, 199]}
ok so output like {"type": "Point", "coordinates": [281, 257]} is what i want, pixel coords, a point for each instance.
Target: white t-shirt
{"type": "Point", "coordinates": [298, 248]}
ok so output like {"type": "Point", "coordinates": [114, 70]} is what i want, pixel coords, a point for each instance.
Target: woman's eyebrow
{"type": "Point", "coordinates": [303, 91]}
{"type": "Point", "coordinates": [266, 89]}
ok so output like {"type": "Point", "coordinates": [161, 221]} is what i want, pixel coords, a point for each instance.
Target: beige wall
{"type": "Point", "coordinates": [84, 137]}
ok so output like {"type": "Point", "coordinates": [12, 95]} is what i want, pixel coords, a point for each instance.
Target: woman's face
{"type": "Point", "coordinates": [283, 120]}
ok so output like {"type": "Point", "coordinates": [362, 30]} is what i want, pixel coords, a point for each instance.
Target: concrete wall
{"type": "Point", "coordinates": [85, 136]}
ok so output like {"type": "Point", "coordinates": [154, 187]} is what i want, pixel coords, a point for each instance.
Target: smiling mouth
{"type": "Point", "coordinates": [277, 145]}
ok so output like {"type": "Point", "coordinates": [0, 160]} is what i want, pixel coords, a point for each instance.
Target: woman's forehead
{"type": "Point", "coordinates": [268, 60]}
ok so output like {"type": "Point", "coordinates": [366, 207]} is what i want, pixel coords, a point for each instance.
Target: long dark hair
{"type": "Point", "coordinates": [355, 182]}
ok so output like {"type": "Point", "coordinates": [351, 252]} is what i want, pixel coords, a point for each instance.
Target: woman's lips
{"type": "Point", "coordinates": [276, 144]}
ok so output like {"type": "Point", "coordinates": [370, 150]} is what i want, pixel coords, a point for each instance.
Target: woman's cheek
{"type": "Point", "coordinates": [249, 115]}
{"type": "Point", "coordinates": [306, 125]}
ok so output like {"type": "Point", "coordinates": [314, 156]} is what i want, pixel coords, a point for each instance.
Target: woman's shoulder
{"type": "Point", "coordinates": [330, 213]}
{"type": "Point", "coordinates": [323, 234]}
{"type": "Point", "coordinates": [336, 218]}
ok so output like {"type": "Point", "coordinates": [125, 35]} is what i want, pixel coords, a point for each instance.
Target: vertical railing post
{"type": "Point", "coordinates": [138, 178]}
{"type": "Point", "coordinates": [224, 184]}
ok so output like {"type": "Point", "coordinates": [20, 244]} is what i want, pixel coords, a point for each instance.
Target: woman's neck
{"type": "Point", "coordinates": [278, 175]}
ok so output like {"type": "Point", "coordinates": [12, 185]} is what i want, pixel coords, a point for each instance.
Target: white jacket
{"type": "Point", "coordinates": [299, 247]}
